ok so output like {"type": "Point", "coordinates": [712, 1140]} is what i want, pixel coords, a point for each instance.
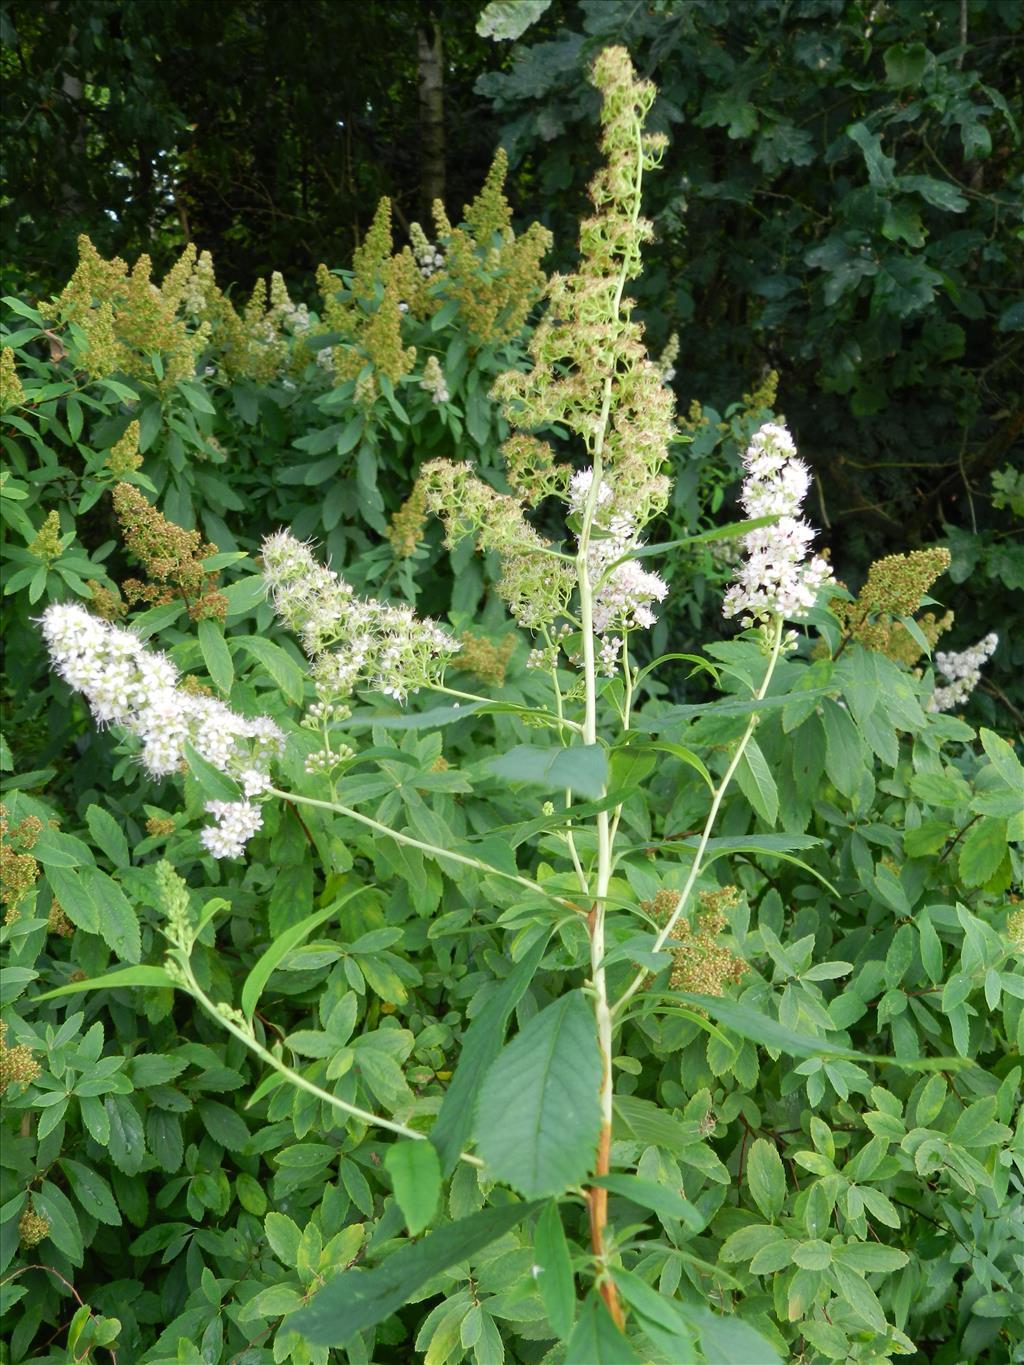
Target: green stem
{"type": "Point", "coordinates": [559, 721]}
{"type": "Point", "coordinates": [569, 840]}
{"type": "Point", "coordinates": [400, 837]}
{"type": "Point", "coordinates": [294, 1077]}
{"type": "Point", "coordinates": [720, 791]}
{"type": "Point", "coordinates": [598, 1199]}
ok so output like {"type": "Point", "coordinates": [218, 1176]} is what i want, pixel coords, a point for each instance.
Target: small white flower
{"type": "Point", "coordinates": [129, 685]}
{"type": "Point", "coordinates": [776, 579]}
{"type": "Point", "coordinates": [237, 822]}
{"type": "Point", "coordinates": [962, 672]}
{"type": "Point", "coordinates": [623, 593]}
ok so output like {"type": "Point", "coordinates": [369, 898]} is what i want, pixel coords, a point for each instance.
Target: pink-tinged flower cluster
{"type": "Point", "coordinates": [962, 672]}
{"type": "Point", "coordinates": [776, 579]}
{"type": "Point", "coordinates": [623, 593]}
{"type": "Point", "coordinates": [137, 688]}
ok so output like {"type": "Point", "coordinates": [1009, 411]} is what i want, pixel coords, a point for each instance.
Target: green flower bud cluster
{"type": "Point", "coordinates": [894, 588]}
{"type": "Point", "coordinates": [173, 892]}
{"type": "Point", "coordinates": [588, 356]}
{"type": "Point", "coordinates": [536, 586]}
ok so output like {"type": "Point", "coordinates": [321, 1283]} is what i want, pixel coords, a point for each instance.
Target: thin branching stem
{"type": "Point", "coordinates": [716, 802]}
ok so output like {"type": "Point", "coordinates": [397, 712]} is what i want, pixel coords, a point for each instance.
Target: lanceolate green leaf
{"type": "Point", "coordinates": [582, 768]}
{"type": "Point", "coordinates": [112, 981]}
{"type": "Point", "coordinates": [757, 783]}
{"type": "Point", "coordinates": [596, 1340]}
{"type": "Point", "coordinates": [357, 1299]}
{"type": "Point", "coordinates": [416, 1175]}
{"type": "Point", "coordinates": [761, 1028]}
{"type": "Point", "coordinates": [480, 1045]}
{"type": "Point", "coordinates": [727, 1340]}
{"type": "Point", "coordinates": [216, 654]}
{"type": "Point", "coordinates": [661, 1198]}
{"type": "Point", "coordinates": [539, 1114]}
{"type": "Point", "coordinates": [766, 1177]}
{"type": "Point", "coordinates": [217, 786]}
{"type": "Point", "coordinates": [768, 1032]}
{"type": "Point", "coordinates": [267, 964]}
{"type": "Point", "coordinates": [554, 1280]}
{"type": "Point", "coordinates": [278, 663]}
{"type": "Point", "coordinates": [661, 1318]}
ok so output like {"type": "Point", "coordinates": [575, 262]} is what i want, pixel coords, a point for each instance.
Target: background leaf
{"type": "Point", "coordinates": [416, 1175]}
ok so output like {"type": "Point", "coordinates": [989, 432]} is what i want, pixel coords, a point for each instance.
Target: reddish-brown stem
{"type": "Point", "coordinates": [597, 1202]}
{"type": "Point", "coordinates": [597, 1197]}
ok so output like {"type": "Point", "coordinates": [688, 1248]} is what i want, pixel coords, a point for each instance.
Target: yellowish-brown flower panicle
{"type": "Point", "coordinates": [894, 588]}
{"type": "Point", "coordinates": [381, 338]}
{"type": "Point", "coordinates": [371, 326]}
{"type": "Point", "coordinates": [18, 1065]}
{"type": "Point", "coordinates": [483, 658]}
{"type": "Point", "coordinates": [123, 457]}
{"type": "Point", "coordinates": [700, 962]}
{"type": "Point", "coordinates": [11, 391]}
{"type": "Point", "coordinates": [406, 528]}
{"type": "Point", "coordinates": [171, 556]}
{"type": "Point", "coordinates": [104, 601]}
{"type": "Point", "coordinates": [18, 869]}
{"type": "Point", "coordinates": [125, 317]}
{"type": "Point", "coordinates": [495, 275]}
{"type": "Point", "coordinates": [57, 921]}
{"type": "Point", "coordinates": [33, 1227]}
{"type": "Point", "coordinates": [160, 826]}
{"type": "Point", "coordinates": [46, 545]}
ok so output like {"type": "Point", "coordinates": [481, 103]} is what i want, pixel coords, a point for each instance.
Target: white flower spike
{"type": "Point", "coordinates": [137, 688]}
{"type": "Point", "coordinates": [776, 578]}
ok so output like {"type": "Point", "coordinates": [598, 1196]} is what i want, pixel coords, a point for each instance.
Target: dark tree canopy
{"type": "Point", "coordinates": [263, 132]}
{"type": "Point", "coordinates": [839, 201]}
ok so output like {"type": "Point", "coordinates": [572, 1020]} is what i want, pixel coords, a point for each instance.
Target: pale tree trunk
{"type": "Point", "coordinates": [430, 66]}
{"type": "Point", "coordinates": [73, 91]}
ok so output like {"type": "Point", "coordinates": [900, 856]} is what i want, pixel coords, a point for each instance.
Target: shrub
{"type": "Point", "coordinates": [761, 1097]}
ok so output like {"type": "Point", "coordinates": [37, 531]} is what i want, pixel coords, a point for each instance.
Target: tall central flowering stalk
{"type": "Point", "coordinates": [591, 378]}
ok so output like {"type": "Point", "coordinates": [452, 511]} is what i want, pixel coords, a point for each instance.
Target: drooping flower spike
{"type": "Point", "coordinates": [352, 640]}
{"type": "Point", "coordinates": [962, 671]}
{"type": "Point", "coordinates": [127, 684]}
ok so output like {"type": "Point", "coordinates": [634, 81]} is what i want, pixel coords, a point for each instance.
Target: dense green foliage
{"type": "Point", "coordinates": [818, 1142]}
{"type": "Point", "coordinates": [841, 205]}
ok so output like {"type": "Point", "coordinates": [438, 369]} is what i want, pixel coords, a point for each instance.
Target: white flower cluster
{"type": "Point", "coordinates": [129, 685]}
{"type": "Point", "coordinates": [434, 381]}
{"type": "Point", "coordinates": [776, 579]}
{"type": "Point", "coordinates": [623, 594]}
{"type": "Point", "coordinates": [962, 673]}
{"type": "Point", "coordinates": [297, 319]}
{"type": "Point", "coordinates": [429, 260]}
{"type": "Point", "coordinates": [237, 822]}
{"type": "Point", "coordinates": [350, 639]}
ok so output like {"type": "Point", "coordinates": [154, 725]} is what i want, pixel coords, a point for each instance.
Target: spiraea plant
{"type": "Point", "coordinates": [680, 1155]}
